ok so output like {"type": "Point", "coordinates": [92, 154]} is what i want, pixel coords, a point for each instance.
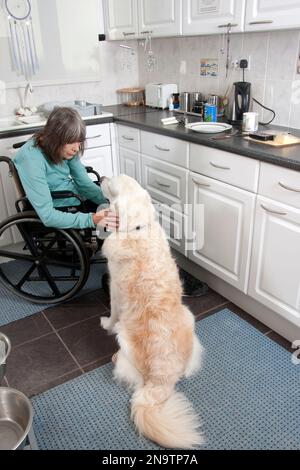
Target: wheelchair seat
{"type": "Point", "coordinates": [45, 265]}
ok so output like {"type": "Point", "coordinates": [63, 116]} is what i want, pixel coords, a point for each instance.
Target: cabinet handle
{"type": "Point", "coordinates": [220, 167]}
{"type": "Point", "coordinates": [163, 184]}
{"type": "Point", "coordinates": [289, 188]}
{"type": "Point", "coordinates": [127, 138]}
{"type": "Point", "coordinates": [228, 25]}
{"type": "Point", "coordinates": [161, 148]}
{"type": "Point", "coordinates": [94, 137]}
{"type": "Point", "coordinates": [91, 148]}
{"type": "Point", "coordinates": [260, 22]}
{"type": "Point", "coordinates": [272, 212]}
{"type": "Point", "coordinates": [146, 32]}
{"type": "Point", "coordinates": [128, 34]}
{"type": "Point", "coordinates": [201, 184]}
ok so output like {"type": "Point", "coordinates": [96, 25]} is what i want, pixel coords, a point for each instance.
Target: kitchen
{"type": "Point", "coordinates": [250, 190]}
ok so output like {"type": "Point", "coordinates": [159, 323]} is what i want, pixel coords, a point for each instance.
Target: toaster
{"type": "Point", "coordinates": [158, 94]}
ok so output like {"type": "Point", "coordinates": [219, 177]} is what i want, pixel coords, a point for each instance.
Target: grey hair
{"type": "Point", "coordinates": [64, 126]}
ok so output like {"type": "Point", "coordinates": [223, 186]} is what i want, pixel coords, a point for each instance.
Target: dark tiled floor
{"type": "Point", "coordinates": [65, 341]}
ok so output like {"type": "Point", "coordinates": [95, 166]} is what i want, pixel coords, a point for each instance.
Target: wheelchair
{"type": "Point", "coordinates": [47, 265]}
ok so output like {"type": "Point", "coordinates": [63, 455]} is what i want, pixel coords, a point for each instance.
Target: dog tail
{"type": "Point", "coordinates": [165, 417]}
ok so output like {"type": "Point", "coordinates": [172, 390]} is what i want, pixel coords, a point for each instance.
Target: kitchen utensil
{"type": "Point", "coordinates": [208, 127]}
{"type": "Point", "coordinates": [195, 97]}
{"type": "Point", "coordinates": [15, 418]}
{"type": "Point", "coordinates": [184, 100]}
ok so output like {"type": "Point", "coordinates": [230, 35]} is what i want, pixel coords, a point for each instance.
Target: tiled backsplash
{"type": "Point", "coordinates": [273, 59]}
{"type": "Point", "coordinates": [272, 72]}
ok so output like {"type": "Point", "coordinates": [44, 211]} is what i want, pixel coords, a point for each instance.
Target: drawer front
{"type": "Point", "coordinates": [129, 138]}
{"type": "Point", "coordinates": [97, 135]}
{"type": "Point", "coordinates": [165, 148]}
{"type": "Point", "coordinates": [166, 183]}
{"type": "Point", "coordinates": [173, 223]}
{"type": "Point", "coordinates": [233, 169]}
{"type": "Point", "coordinates": [280, 184]}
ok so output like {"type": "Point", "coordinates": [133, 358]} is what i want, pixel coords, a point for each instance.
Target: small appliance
{"type": "Point", "coordinates": [239, 101]}
{"type": "Point", "coordinates": [158, 94]}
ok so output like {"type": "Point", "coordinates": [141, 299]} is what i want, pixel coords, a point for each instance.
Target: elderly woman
{"type": "Point", "coordinates": [50, 161]}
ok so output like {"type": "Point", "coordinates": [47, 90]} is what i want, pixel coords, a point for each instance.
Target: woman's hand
{"type": "Point", "coordinates": [106, 218]}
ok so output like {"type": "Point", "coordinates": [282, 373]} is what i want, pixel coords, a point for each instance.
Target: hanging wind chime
{"type": "Point", "coordinates": [22, 42]}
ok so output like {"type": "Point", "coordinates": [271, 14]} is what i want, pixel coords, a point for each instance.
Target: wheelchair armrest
{"type": "Point", "coordinates": [89, 169]}
{"type": "Point", "coordinates": [65, 195]}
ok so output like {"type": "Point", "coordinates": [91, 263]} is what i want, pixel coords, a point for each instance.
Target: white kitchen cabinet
{"type": "Point", "coordinates": [129, 19]}
{"type": "Point", "coordinates": [262, 15]}
{"type": "Point", "coordinates": [174, 224]}
{"type": "Point", "coordinates": [130, 163]}
{"type": "Point", "coordinates": [221, 221]}
{"type": "Point", "coordinates": [160, 18]}
{"type": "Point", "coordinates": [121, 19]}
{"type": "Point", "coordinates": [100, 159]}
{"type": "Point", "coordinates": [275, 267]}
{"type": "Point", "coordinates": [212, 16]}
{"type": "Point", "coordinates": [7, 202]}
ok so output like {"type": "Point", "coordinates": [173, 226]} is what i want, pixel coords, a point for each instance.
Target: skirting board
{"type": "Point", "coordinates": [267, 316]}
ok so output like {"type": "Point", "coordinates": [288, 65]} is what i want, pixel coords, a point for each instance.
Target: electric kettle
{"type": "Point", "coordinates": [239, 101]}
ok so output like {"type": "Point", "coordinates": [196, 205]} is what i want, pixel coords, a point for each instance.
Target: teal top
{"type": "Point", "coordinates": [39, 177]}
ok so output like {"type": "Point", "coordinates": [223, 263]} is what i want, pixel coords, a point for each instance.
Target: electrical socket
{"type": "Point", "coordinates": [235, 63]}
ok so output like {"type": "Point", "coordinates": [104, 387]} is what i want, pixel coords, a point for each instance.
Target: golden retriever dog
{"type": "Point", "coordinates": [155, 331]}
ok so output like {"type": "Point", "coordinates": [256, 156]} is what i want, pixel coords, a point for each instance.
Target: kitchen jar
{"type": "Point", "coordinates": [131, 96]}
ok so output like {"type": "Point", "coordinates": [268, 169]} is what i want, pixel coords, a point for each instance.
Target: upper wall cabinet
{"type": "Point", "coordinates": [212, 16]}
{"type": "Point", "coordinates": [131, 19]}
{"type": "Point", "coordinates": [161, 18]}
{"type": "Point", "coordinates": [121, 19]}
{"type": "Point", "coordinates": [262, 15]}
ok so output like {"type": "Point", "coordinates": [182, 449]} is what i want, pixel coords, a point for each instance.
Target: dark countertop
{"type": "Point", "coordinates": [149, 119]}
{"type": "Point", "coordinates": [288, 157]}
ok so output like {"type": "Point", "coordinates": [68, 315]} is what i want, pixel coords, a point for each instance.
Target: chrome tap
{"type": "Point", "coordinates": [28, 91]}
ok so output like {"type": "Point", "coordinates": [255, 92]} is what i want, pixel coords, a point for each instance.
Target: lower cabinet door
{"type": "Point", "coordinates": [220, 229]}
{"type": "Point", "coordinates": [130, 164]}
{"type": "Point", "coordinates": [275, 266]}
{"type": "Point", "coordinates": [100, 160]}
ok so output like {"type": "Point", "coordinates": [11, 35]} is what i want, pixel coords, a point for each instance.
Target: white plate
{"type": "Point", "coordinates": [209, 127]}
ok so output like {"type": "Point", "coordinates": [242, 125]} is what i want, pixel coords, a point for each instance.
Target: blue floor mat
{"type": "Point", "coordinates": [247, 395]}
{"type": "Point", "coordinates": [14, 308]}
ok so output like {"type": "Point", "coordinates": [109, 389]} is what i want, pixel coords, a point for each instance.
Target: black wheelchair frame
{"type": "Point", "coordinates": [51, 265]}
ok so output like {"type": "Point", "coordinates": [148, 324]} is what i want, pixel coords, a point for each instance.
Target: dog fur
{"type": "Point", "coordinates": [155, 331]}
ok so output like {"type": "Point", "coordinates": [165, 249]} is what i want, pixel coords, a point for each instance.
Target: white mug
{"type": "Point", "coordinates": [250, 122]}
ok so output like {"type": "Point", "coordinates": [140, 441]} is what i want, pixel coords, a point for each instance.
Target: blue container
{"type": "Point", "coordinates": [210, 113]}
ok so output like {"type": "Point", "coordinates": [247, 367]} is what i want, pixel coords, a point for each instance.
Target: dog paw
{"type": "Point", "coordinates": [106, 323]}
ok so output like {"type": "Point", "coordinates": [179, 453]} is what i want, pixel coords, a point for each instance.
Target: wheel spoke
{"type": "Point", "coordinates": [26, 276]}
{"type": "Point", "coordinates": [16, 255]}
{"type": "Point", "coordinates": [50, 281]}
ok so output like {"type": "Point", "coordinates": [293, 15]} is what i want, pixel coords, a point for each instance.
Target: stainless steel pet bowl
{"type": "Point", "coordinates": [6, 346]}
{"type": "Point", "coordinates": [16, 415]}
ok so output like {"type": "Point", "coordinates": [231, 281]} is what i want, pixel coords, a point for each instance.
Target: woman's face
{"type": "Point", "coordinates": [69, 150]}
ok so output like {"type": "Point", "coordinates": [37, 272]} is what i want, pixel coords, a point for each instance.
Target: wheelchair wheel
{"type": "Point", "coordinates": [49, 265]}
